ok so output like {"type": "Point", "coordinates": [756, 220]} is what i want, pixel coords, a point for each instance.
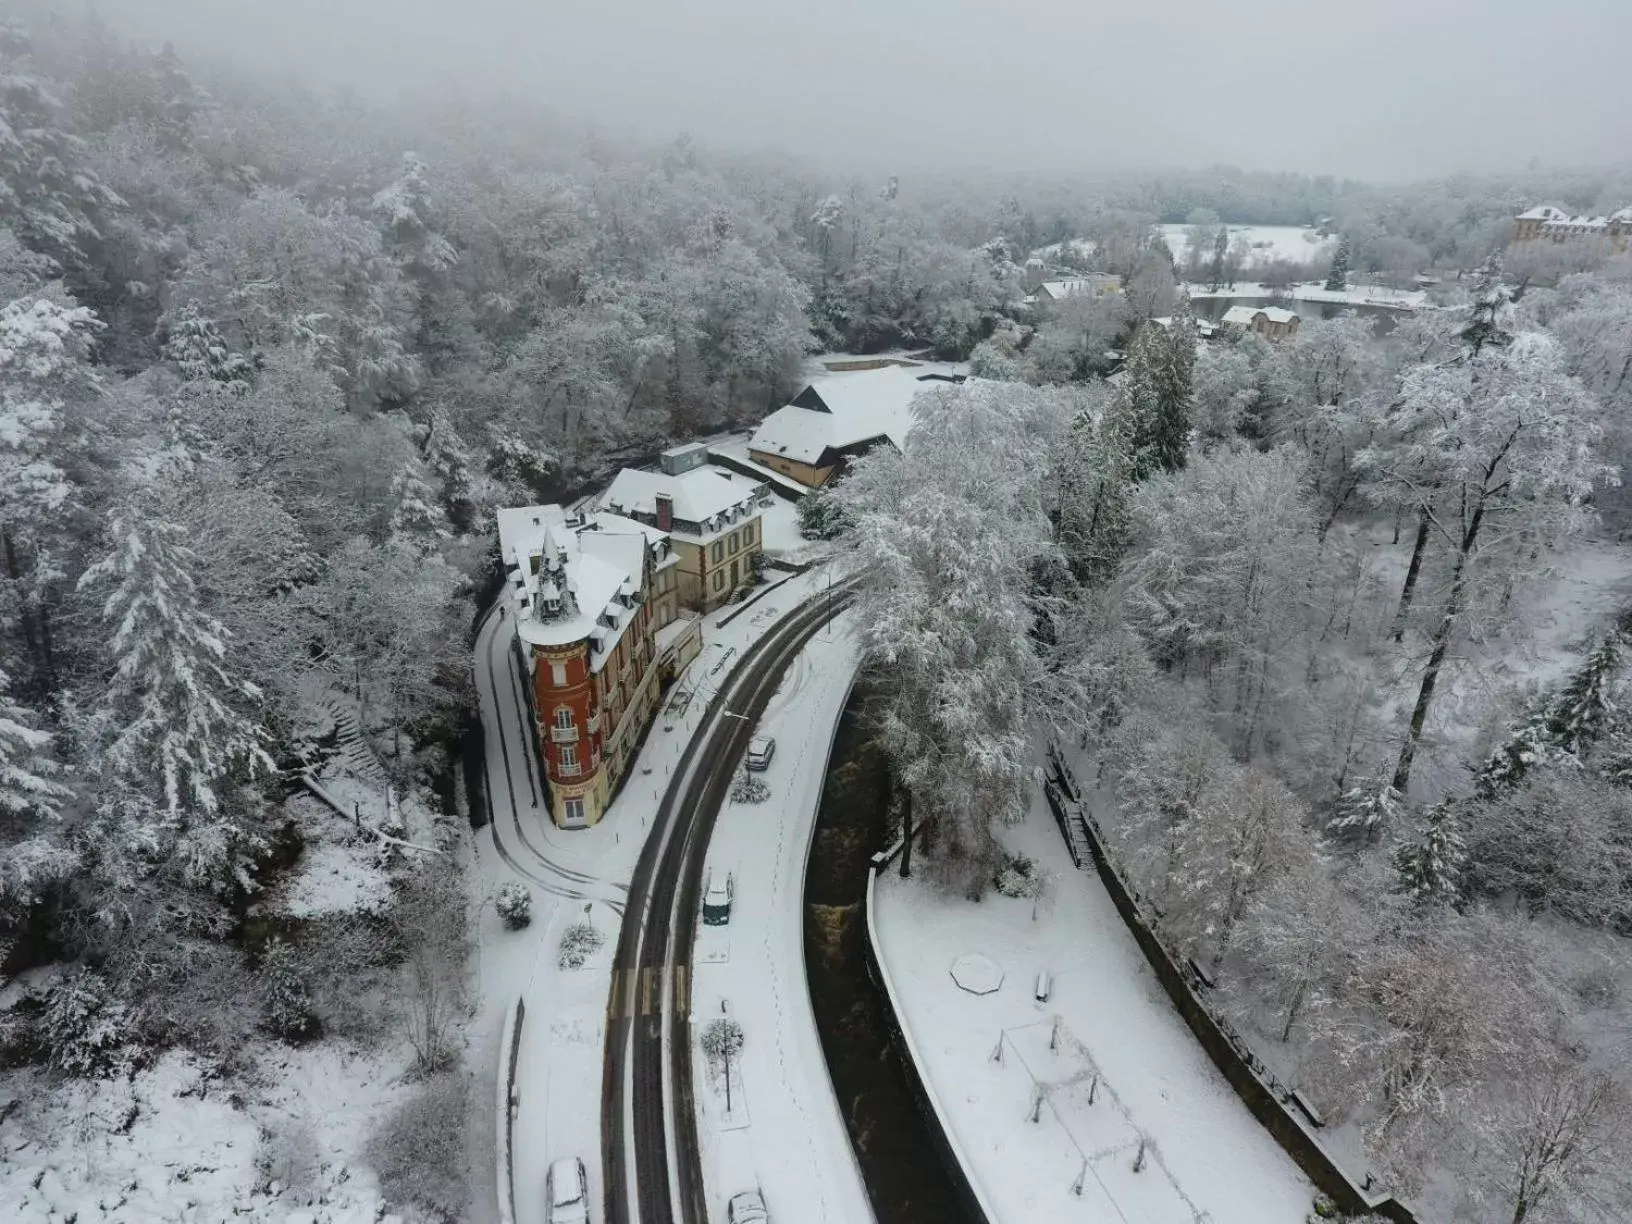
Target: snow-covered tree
{"type": "Point", "coordinates": [1431, 865]}
{"type": "Point", "coordinates": [180, 727]}
{"type": "Point", "coordinates": [31, 852]}
{"type": "Point", "coordinates": [1160, 365]}
{"type": "Point", "coordinates": [1096, 472]}
{"type": "Point", "coordinates": [947, 538]}
{"type": "Point", "coordinates": [1367, 809]}
{"type": "Point", "coordinates": [197, 349]}
{"type": "Point", "coordinates": [1499, 450]}
{"type": "Point", "coordinates": [1338, 277]}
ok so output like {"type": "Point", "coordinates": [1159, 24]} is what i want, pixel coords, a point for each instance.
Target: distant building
{"type": "Point", "coordinates": [1096, 285]}
{"type": "Point", "coordinates": [1270, 322]}
{"type": "Point", "coordinates": [1550, 223]}
{"type": "Point", "coordinates": [600, 633]}
{"type": "Point", "coordinates": [711, 519]}
{"type": "Point", "coordinates": [1204, 330]}
{"type": "Point", "coordinates": [835, 420]}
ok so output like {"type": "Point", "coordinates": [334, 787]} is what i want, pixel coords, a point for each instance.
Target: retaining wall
{"type": "Point", "coordinates": [509, 1046]}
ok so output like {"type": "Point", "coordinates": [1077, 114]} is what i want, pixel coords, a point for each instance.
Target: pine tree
{"type": "Point", "coordinates": [1430, 867]}
{"type": "Point", "coordinates": [1096, 480]}
{"type": "Point", "coordinates": [183, 725]}
{"type": "Point", "coordinates": [1367, 809]}
{"type": "Point", "coordinates": [1161, 365]}
{"type": "Point", "coordinates": [1490, 321]}
{"type": "Point", "coordinates": [1530, 744]}
{"type": "Point", "coordinates": [30, 798]}
{"type": "Point", "coordinates": [195, 346]}
{"type": "Point", "coordinates": [416, 514]}
{"type": "Point", "coordinates": [286, 1000]}
{"type": "Point", "coordinates": [1580, 712]}
{"type": "Point", "coordinates": [177, 101]}
{"type": "Point", "coordinates": [1338, 278]}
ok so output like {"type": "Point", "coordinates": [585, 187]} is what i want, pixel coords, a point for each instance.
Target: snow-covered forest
{"type": "Point", "coordinates": [269, 359]}
{"type": "Point", "coordinates": [1340, 624]}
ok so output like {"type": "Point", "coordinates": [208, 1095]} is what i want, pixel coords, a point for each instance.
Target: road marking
{"type": "Point", "coordinates": [646, 991]}
{"type": "Point", "coordinates": [680, 1008]}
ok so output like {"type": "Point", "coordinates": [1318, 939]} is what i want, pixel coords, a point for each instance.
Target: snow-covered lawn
{"type": "Point", "coordinates": [1204, 1152]}
{"type": "Point", "coordinates": [174, 1144]}
{"type": "Point", "coordinates": [787, 1136]}
{"type": "Point", "coordinates": [559, 1066]}
{"type": "Point", "coordinates": [1316, 291]}
{"type": "Point", "coordinates": [1293, 243]}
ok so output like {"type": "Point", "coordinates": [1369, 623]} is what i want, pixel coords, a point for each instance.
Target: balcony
{"type": "Point", "coordinates": [594, 723]}
{"type": "Point", "coordinates": [564, 735]}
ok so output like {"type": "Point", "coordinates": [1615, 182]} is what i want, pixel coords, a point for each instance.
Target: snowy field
{"type": "Point", "coordinates": [1125, 1068]}
{"type": "Point", "coordinates": [1316, 291]}
{"type": "Point", "coordinates": [784, 1133]}
{"type": "Point", "coordinates": [559, 1064]}
{"type": "Point", "coordinates": [1293, 243]}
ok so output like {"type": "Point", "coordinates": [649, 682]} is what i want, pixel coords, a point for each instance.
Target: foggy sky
{"type": "Point", "coordinates": [1370, 88]}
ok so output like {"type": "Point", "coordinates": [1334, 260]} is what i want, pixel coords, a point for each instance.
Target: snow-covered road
{"type": "Point", "coordinates": [559, 1066]}
{"type": "Point", "coordinates": [785, 1133]}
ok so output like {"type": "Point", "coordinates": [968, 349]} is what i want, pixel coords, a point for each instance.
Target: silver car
{"type": "Point", "coordinates": [760, 751]}
{"type": "Point", "coordinates": [566, 1191]}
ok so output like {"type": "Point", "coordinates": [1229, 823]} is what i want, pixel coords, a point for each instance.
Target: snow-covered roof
{"type": "Point", "coordinates": [1544, 212]}
{"type": "Point", "coordinates": [1078, 287]}
{"type": "Point", "coordinates": [1244, 315]}
{"type": "Point", "coordinates": [587, 579]}
{"type": "Point", "coordinates": [841, 411]}
{"type": "Point", "coordinates": [705, 501]}
{"type": "Point", "coordinates": [1202, 326]}
{"type": "Point", "coordinates": [1553, 215]}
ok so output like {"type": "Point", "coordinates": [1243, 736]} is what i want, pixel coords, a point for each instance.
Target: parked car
{"type": "Point", "coordinates": [747, 1207]}
{"type": "Point", "coordinates": [566, 1191]}
{"type": "Point", "coordinates": [760, 751]}
{"type": "Point", "coordinates": [717, 899]}
{"type": "Point", "coordinates": [1044, 987]}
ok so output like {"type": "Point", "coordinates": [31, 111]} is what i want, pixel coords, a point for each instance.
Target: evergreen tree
{"type": "Point", "coordinates": [1221, 252]}
{"type": "Point", "coordinates": [1367, 809]}
{"type": "Point", "coordinates": [1490, 321]}
{"type": "Point", "coordinates": [1530, 744]}
{"type": "Point", "coordinates": [1338, 278]}
{"type": "Point", "coordinates": [416, 514]}
{"type": "Point", "coordinates": [286, 1001]}
{"type": "Point", "coordinates": [182, 726]}
{"type": "Point", "coordinates": [1430, 867]}
{"type": "Point", "coordinates": [30, 797]}
{"type": "Point", "coordinates": [176, 101]}
{"type": "Point", "coordinates": [821, 517]}
{"type": "Point", "coordinates": [1161, 365]}
{"type": "Point", "coordinates": [197, 349]}
{"type": "Point", "coordinates": [1096, 479]}
{"type": "Point", "coordinates": [1582, 708]}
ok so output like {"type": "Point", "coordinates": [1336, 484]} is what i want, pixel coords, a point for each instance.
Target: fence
{"type": "Point", "coordinates": [1269, 1101]}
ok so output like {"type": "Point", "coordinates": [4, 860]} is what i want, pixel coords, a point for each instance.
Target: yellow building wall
{"type": "Point", "coordinates": [804, 473]}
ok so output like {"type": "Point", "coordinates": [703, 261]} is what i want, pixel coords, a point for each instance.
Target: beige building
{"type": "Point", "coordinates": [712, 520]}
{"type": "Point", "coordinates": [1550, 223]}
{"type": "Point", "coordinates": [1270, 322]}
{"type": "Point", "coordinates": [837, 419]}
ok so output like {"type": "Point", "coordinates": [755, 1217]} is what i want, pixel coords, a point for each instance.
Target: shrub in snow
{"type": "Point", "coordinates": [84, 1026]}
{"type": "Point", "coordinates": [1018, 877]}
{"type": "Point", "coordinates": [820, 516]}
{"type": "Point", "coordinates": [419, 1154]}
{"type": "Point", "coordinates": [286, 1001]}
{"type": "Point", "coordinates": [747, 788]}
{"type": "Point", "coordinates": [722, 1041]}
{"type": "Point", "coordinates": [515, 905]}
{"type": "Point", "coordinates": [578, 943]}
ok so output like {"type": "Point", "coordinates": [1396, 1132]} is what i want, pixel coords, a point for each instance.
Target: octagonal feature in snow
{"type": "Point", "coordinates": [977, 974]}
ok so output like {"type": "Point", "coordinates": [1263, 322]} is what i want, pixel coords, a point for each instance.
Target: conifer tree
{"type": "Point", "coordinates": [1430, 866]}
{"type": "Point", "coordinates": [1161, 364]}
{"type": "Point", "coordinates": [1582, 708]}
{"type": "Point", "coordinates": [30, 798]}
{"type": "Point", "coordinates": [1492, 316]}
{"type": "Point", "coordinates": [1338, 278]}
{"type": "Point", "coordinates": [195, 346]}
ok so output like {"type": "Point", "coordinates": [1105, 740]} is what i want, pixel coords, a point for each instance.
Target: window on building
{"type": "Point", "coordinates": [719, 580]}
{"type": "Point", "coordinates": [732, 544]}
{"type": "Point", "coordinates": [719, 549]}
{"type": "Point", "coordinates": [563, 717]}
{"type": "Point", "coordinates": [558, 674]}
{"type": "Point", "coordinates": [569, 760]}
{"type": "Point", "coordinates": [747, 535]}
{"type": "Point", "coordinates": [573, 809]}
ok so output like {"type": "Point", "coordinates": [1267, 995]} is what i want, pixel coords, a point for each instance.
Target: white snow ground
{"type": "Point", "coordinates": [1316, 291]}
{"type": "Point", "coordinates": [560, 1060]}
{"type": "Point", "coordinates": [1206, 1153]}
{"type": "Point", "coordinates": [785, 1133]}
{"type": "Point", "coordinates": [1269, 242]}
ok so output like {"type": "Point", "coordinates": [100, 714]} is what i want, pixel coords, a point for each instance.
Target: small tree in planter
{"type": "Point", "coordinates": [747, 788]}
{"type": "Point", "coordinates": [722, 1041]}
{"type": "Point", "coordinates": [578, 943]}
{"type": "Point", "coordinates": [515, 905]}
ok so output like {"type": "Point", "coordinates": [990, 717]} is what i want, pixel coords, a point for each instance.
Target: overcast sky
{"type": "Point", "coordinates": [1373, 88]}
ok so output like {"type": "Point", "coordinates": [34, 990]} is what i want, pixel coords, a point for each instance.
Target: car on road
{"type": "Point", "coordinates": [760, 751]}
{"type": "Point", "coordinates": [717, 899]}
{"type": "Point", "coordinates": [566, 1190]}
{"type": "Point", "coordinates": [748, 1207]}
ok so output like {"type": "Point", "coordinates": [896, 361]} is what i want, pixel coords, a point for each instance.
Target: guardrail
{"type": "Point", "coordinates": [507, 1102]}
{"type": "Point", "coordinates": [948, 1148]}
{"type": "Point", "coordinates": [1270, 1101]}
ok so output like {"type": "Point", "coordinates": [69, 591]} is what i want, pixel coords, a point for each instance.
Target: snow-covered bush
{"type": "Point", "coordinates": [515, 905]}
{"type": "Point", "coordinates": [85, 1025]}
{"type": "Point", "coordinates": [578, 943]}
{"type": "Point", "coordinates": [1018, 877]}
{"type": "Point", "coordinates": [748, 788]}
{"type": "Point", "coordinates": [722, 1041]}
{"type": "Point", "coordinates": [820, 516]}
{"type": "Point", "coordinates": [419, 1154]}
{"type": "Point", "coordinates": [286, 1001]}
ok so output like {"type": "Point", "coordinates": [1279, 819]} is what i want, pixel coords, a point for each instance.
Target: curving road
{"type": "Point", "coordinates": [648, 1116]}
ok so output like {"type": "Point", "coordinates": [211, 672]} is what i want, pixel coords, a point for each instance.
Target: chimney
{"type": "Point", "coordinates": [665, 512]}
